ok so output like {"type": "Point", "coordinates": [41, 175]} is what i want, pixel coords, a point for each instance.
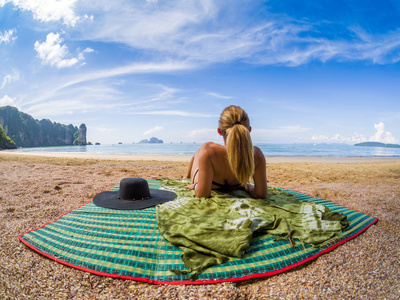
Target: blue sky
{"type": "Point", "coordinates": [305, 71]}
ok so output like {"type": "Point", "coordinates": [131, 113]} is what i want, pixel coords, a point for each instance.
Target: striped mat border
{"type": "Point", "coordinates": [128, 245]}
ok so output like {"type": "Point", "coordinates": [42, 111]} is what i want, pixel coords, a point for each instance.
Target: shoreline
{"type": "Point", "coordinates": [186, 158]}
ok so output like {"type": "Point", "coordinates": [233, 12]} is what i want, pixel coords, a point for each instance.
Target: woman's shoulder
{"type": "Point", "coordinates": [212, 145]}
{"type": "Point", "coordinates": [211, 148]}
{"type": "Point", "coordinates": [258, 153]}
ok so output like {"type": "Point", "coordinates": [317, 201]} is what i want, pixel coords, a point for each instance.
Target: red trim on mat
{"type": "Point", "coordinates": [197, 281]}
{"type": "Point", "coordinates": [55, 219]}
{"type": "Point", "coordinates": [258, 275]}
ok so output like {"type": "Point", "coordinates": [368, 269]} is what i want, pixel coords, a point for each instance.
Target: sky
{"type": "Point", "coordinates": [305, 71]}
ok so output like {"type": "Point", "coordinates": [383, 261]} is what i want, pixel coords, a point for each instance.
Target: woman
{"type": "Point", "coordinates": [214, 166]}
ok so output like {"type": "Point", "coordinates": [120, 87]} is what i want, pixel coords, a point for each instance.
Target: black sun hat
{"type": "Point", "coordinates": [134, 193]}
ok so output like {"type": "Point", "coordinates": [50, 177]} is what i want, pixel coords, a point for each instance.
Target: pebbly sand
{"type": "Point", "coordinates": [37, 189]}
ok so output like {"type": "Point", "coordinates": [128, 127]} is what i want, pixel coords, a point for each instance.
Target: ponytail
{"type": "Point", "coordinates": [235, 124]}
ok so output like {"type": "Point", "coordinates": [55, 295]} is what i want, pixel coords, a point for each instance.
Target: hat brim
{"type": "Point", "coordinates": [110, 200]}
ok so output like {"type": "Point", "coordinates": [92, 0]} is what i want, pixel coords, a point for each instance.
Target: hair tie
{"type": "Point", "coordinates": [237, 122]}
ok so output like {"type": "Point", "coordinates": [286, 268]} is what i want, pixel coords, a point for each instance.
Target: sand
{"type": "Point", "coordinates": [37, 189]}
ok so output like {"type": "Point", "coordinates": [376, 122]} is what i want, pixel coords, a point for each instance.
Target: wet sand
{"type": "Point", "coordinates": [37, 189]}
{"type": "Point", "coordinates": [183, 158]}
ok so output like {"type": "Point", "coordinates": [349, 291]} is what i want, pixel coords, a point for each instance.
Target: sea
{"type": "Point", "coordinates": [188, 149]}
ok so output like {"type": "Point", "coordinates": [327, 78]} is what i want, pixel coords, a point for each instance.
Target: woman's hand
{"type": "Point", "coordinates": [190, 187]}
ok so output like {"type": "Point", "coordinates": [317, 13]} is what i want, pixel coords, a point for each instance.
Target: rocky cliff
{"type": "Point", "coordinates": [26, 131]}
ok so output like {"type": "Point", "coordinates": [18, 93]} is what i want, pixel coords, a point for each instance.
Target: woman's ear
{"type": "Point", "coordinates": [219, 131]}
{"type": "Point", "coordinates": [249, 128]}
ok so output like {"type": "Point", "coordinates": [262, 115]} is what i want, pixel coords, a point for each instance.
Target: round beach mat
{"type": "Point", "coordinates": [128, 245]}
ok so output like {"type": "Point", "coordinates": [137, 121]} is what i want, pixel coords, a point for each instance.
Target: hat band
{"type": "Point", "coordinates": [144, 198]}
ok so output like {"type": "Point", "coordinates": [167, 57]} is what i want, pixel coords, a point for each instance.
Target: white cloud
{"type": "Point", "coordinates": [382, 136]}
{"type": "Point", "coordinates": [291, 45]}
{"type": "Point", "coordinates": [337, 138]}
{"type": "Point", "coordinates": [165, 94]}
{"type": "Point", "coordinates": [147, 26]}
{"type": "Point", "coordinates": [7, 100]}
{"type": "Point", "coordinates": [52, 53]}
{"type": "Point", "coordinates": [48, 10]}
{"type": "Point", "coordinates": [179, 113]}
{"type": "Point", "coordinates": [96, 91]}
{"type": "Point", "coordinates": [9, 78]}
{"type": "Point", "coordinates": [181, 30]}
{"type": "Point", "coordinates": [381, 49]}
{"type": "Point", "coordinates": [134, 68]}
{"type": "Point", "coordinates": [153, 130]}
{"type": "Point", "coordinates": [88, 50]}
{"type": "Point", "coordinates": [216, 95]}
{"type": "Point", "coordinates": [6, 79]}
{"type": "Point", "coordinates": [7, 36]}
{"type": "Point", "coordinates": [63, 106]}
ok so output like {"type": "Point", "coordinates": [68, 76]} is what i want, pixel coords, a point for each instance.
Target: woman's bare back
{"type": "Point", "coordinates": [209, 169]}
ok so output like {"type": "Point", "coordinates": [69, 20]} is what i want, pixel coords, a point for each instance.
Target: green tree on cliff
{"type": "Point", "coordinates": [5, 141]}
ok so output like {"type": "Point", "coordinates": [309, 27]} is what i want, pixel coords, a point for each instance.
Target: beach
{"type": "Point", "coordinates": [38, 188]}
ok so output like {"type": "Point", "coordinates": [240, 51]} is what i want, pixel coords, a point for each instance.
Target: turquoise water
{"type": "Point", "coordinates": [269, 150]}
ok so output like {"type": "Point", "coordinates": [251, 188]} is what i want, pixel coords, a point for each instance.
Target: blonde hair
{"type": "Point", "coordinates": [234, 124]}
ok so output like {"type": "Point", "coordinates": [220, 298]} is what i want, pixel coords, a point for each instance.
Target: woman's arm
{"type": "Point", "coordinates": [203, 181]}
{"type": "Point", "coordinates": [259, 190]}
{"type": "Point", "coordinates": [205, 175]}
{"type": "Point", "coordinates": [189, 172]}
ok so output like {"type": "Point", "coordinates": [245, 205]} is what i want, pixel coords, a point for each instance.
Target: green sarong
{"type": "Point", "coordinates": [211, 230]}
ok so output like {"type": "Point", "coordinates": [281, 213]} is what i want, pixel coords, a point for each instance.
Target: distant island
{"type": "Point", "coordinates": [377, 144]}
{"type": "Point", "coordinates": [25, 131]}
{"type": "Point", "coordinates": [153, 140]}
